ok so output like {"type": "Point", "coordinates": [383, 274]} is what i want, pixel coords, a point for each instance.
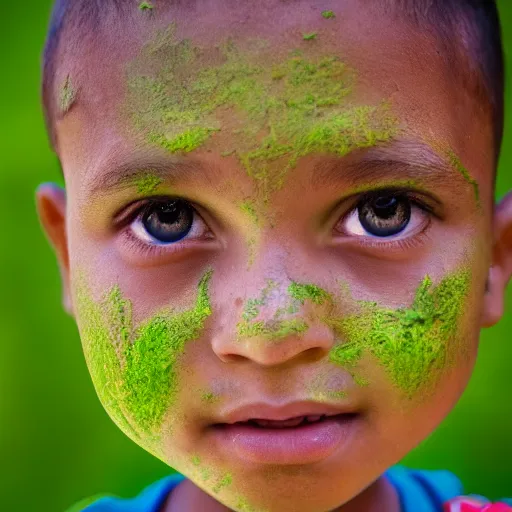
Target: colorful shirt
{"type": "Point", "coordinates": [418, 491]}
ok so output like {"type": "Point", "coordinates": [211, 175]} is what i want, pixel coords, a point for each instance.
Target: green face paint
{"type": "Point", "coordinates": [254, 103]}
{"type": "Point", "coordinates": [328, 14]}
{"type": "Point", "coordinates": [249, 208]}
{"type": "Point", "coordinates": [303, 292]}
{"type": "Point", "coordinates": [135, 369]}
{"type": "Point", "coordinates": [146, 6]}
{"type": "Point", "coordinates": [148, 184]}
{"type": "Point", "coordinates": [455, 161]}
{"type": "Point", "coordinates": [274, 329]}
{"type": "Point", "coordinates": [67, 95]}
{"type": "Point", "coordinates": [445, 152]}
{"type": "Point", "coordinates": [210, 397]}
{"type": "Point", "coordinates": [412, 344]}
{"type": "Point", "coordinates": [309, 36]}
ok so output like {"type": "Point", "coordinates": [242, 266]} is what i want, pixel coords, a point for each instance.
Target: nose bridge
{"type": "Point", "coordinates": [273, 313]}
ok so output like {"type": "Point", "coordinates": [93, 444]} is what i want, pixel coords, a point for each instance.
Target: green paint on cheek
{"type": "Point", "coordinates": [146, 6]}
{"type": "Point", "coordinates": [455, 161]}
{"type": "Point", "coordinates": [309, 36]}
{"type": "Point", "coordinates": [148, 184]}
{"type": "Point", "coordinates": [67, 95]}
{"type": "Point", "coordinates": [134, 370]}
{"type": "Point", "coordinates": [328, 14]}
{"type": "Point", "coordinates": [412, 344]}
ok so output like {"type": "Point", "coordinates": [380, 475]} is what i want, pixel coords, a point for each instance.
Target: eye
{"type": "Point", "coordinates": [165, 222]}
{"type": "Point", "coordinates": [385, 215]}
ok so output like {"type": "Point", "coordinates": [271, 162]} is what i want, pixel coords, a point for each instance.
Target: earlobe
{"type": "Point", "coordinates": [500, 271]}
{"type": "Point", "coordinates": [51, 207]}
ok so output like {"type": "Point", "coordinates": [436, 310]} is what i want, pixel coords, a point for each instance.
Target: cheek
{"type": "Point", "coordinates": [134, 368]}
{"type": "Point", "coordinates": [415, 346]}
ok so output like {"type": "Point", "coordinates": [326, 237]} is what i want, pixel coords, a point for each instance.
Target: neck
{"type": "Point", "coordinates": [379, 496]}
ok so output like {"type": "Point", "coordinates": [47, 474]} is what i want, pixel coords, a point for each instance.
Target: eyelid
{"type": "Point", "coordinates": [131, 211]}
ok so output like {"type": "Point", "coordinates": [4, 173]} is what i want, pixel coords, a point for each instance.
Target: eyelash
{"type": "Point", "coordinates": [143, 249]}
{"type": "Point", "coordinates": [393, 244]}
{"type": "Point", "coordinates": [148, 250]}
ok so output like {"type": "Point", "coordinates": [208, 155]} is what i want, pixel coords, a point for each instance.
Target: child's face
{"type": "Point", "coordinates": [275, 278]}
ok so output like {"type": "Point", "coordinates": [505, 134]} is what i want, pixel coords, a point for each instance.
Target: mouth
{"type": "Point", "coordinates": [295, 422]}
{"type": "Point", "coordinates": [299, 433]}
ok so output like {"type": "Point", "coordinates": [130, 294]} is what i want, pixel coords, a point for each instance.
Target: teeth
{"type": "Point", "coordinates": [292, 422]}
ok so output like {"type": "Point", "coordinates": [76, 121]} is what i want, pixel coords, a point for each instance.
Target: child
{"type": "Point", "coordinates": [278, 238]}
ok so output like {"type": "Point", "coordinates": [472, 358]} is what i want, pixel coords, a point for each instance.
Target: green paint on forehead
{"type": "Point", "coordinates": [328, 14]}
{"type": "Point", "coordinates": [134, 369]}
{"type": "Point", "coordinates": [412, 344]}
{"type": "Point", "coordinates": [67, 95]}
{"type": "Point", "coordinates": [309, 36]}
{"type": "Point", "coordinates": [146, 6]}
{"type": "Point", "coordinates": [148, 184]}
{"type": "Point", "coordinates": [266, 108]}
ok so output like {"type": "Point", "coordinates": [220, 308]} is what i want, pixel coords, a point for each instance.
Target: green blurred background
{"type": "Point", "coordinates": [57, 444]}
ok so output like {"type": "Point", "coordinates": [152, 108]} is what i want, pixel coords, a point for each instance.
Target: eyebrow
{"type": "Point", "coordinates": [125, 176]}
{"type": "Point", "coordinates": [401, 160]}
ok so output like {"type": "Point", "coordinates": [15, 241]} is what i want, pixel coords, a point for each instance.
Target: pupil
{"type": "Point", "coordinates": [385, 215]}
{"type": "Point", "coordinates": [170, 221]}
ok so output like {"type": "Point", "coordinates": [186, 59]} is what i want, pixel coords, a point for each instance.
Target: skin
{"type": "Point", "coordinates": [318, 268]}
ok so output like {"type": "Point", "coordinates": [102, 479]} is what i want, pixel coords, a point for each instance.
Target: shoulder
{"type": "Point", "coordinates": [150, 499]}
{"type": "Point", "coordinates": [434, 491]}
{"type": "Point", "coordinates": [424, 490]}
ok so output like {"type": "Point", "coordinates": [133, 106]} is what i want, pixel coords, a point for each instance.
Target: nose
{"type": "Point", "coordinates": [283, 322]}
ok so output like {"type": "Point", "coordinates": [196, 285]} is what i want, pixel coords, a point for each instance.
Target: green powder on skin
{"type": "Point", "coordinates": [249, 208]}
{"type": "Point", "coordinates": [328, 14]}
{"type": "Point", "coordinates": [134, 369]}
{"type": "Point", "coordinates": [412, 344]}
{"type": "Point", "coordinates": [455, 161]}
{"type": "Point", "coordinates": [67, 95]}
{"type": "Point", "coordinates": [272, 330]}
{"type": "Point", "coordinates": [146, 6]}
{"type": "Point", "coordinates": [303, 292]}
{"type": "Point", "coordinates": [148, 184]}
{"type": "Point", "coordinates": [278, 328]}
{"type": "Point", "coordinates": [310, 36]}
{"type": "Point", "coordinates": [210, 398]}
{"type": "Point", "coordinates": [226, 480]}
{"type": "Point", "coordinates": [279, 109]}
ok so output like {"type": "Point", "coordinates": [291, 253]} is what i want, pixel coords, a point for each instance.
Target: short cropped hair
{"type": "Point", "coordinates": [468, 29]}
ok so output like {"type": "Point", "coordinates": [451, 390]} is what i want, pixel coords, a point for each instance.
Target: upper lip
{"type": "Point", "coordinates": [286, 411]}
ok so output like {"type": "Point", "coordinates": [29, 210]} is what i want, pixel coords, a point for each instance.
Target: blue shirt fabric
{"type": "Point", "coordinates": [418, 491]}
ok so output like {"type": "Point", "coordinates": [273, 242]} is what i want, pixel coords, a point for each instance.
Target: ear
{"type": "Point", "coordinates": [500, 272]}
{"type": "Point", "coordinates": [51, 207]}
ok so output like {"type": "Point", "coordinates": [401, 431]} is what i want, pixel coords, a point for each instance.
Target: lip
{"type": "Point", "coordinates": [282, 412]}
{"type": "Point", "coordinates": [304, 444]}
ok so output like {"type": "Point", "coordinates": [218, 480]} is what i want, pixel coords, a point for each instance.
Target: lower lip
{"type": "Point", "coordinates": [304, 444]}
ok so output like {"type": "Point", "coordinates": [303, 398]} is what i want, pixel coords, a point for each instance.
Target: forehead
{"type": "Point", "coordinates": [392, 61]}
